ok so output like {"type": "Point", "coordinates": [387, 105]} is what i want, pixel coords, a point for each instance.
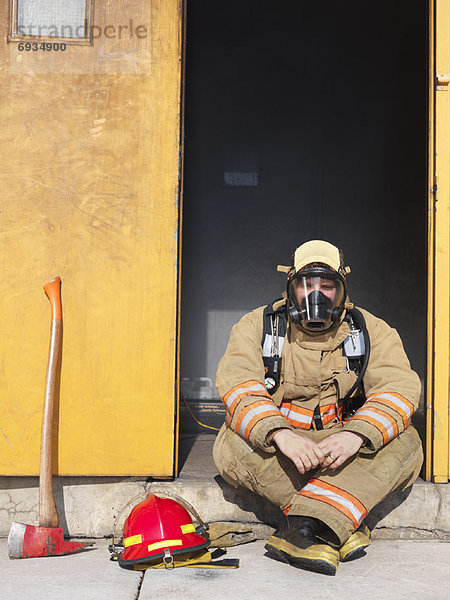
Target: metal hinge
{"type": "Point", "coordinates": [434, 189]}
{"type": "Point", "coordinates": [442, 81]}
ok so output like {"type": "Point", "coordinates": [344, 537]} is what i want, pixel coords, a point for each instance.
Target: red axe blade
{"type": "Point", "coordinates": [31, 541]}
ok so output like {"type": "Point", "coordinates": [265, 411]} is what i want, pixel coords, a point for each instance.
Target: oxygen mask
{"type": "Point", "coordinates": [316, 298]}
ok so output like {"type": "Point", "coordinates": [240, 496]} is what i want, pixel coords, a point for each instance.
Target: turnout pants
{"type": "Point", "coordinates": [342, 498]}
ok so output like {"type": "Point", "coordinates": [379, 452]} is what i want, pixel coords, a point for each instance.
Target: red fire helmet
{"type": "Point", "coordinates": [157, 527]}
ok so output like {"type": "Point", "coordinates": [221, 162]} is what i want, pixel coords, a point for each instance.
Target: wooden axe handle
{"type": "Point", "coordinates": [48, 513]}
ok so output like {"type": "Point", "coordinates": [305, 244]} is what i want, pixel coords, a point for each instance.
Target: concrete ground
{"type": "Point", "coordinates": [409, 557]}
{"type": "Point", "coordinates": [391, 569]}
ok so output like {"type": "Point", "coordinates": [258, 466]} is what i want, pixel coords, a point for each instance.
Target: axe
{"type": "Point", "coordinates": [47, 539]}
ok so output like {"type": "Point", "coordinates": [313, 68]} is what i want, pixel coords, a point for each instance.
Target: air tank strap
{"type": "Point", "coordinates": [274, 332]}
{"type": "Point", "coordinates": [317, 419]}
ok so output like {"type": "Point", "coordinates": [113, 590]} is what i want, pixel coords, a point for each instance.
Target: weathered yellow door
{"type": "Point", "coordinates": [438, 401]}
{"type": "Point", "coordinates": [90, 169]}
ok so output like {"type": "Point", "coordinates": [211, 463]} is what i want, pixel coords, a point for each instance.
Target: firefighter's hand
{"type": "Point", "coordinates": [304, 453]}
{"type": "Point", "coordinates": [339, 447]}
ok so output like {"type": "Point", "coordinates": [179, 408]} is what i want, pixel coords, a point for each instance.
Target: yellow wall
{"type": "Point", "coordinates": [438, 398]}
{"type": "Point", "coordinates": [90, 191]}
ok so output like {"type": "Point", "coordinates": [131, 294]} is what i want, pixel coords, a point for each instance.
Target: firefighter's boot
{"type": "Point", "coordinates": [355, 546]}
{"type": "Point", "coordinates": [296, 543]}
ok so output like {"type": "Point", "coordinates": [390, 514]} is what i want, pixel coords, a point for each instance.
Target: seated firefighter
{"type": "Point", "coordinates": [319, 397]}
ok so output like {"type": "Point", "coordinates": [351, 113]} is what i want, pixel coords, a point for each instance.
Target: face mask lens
{"type": "Point", "coordinates": [317, 297]}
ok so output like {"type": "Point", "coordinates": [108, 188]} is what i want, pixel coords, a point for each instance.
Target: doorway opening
{"type": "Point", "coordinates": [303, 120]}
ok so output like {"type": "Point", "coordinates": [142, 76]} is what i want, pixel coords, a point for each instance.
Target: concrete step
{"type": "Point", "coordinates": [89, 506]}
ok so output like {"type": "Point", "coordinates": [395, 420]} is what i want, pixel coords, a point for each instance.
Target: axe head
{"type": "Point", "coordinates": [30, 541]}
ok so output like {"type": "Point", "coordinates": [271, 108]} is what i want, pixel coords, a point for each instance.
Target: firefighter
{"type": "Point", "coordinates": [319, 397]}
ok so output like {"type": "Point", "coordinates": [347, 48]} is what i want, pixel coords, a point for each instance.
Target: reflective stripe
{"type": "Point", "coordinates": [132, 540]}
{"type": "Point", "coordinates": [297, 417]}
{"type": "Point", "coordinates": [255, 420]}
{"type": "Point", "coordinates": [189, 528]}
{"type": "Point", "coordinates": [385, 415]}
{"type": "Point", "coordinates": [241, 391]}
{"type": "Point", "coordinates": [328, 415]}
{"type": "Point", "coordinates": [164, 544]}
{"type": "Point", "coordinates": [371, 421]}
{"type": "Point", "coordinates": [253, 413]}
{"type": "Point", "coordinates": [339, 499]}
{"type": "Point", "coordinates": [302, 417]}
{"type": "Point", "coordinates": [398, 403]}
{"type": "Point", "coordinates": [382, 422]}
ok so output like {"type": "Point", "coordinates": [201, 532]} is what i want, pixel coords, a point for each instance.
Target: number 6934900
{"type": "Point", "coordinates": [43, 46]}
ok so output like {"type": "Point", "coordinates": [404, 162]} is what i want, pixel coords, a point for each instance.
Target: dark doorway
{"type": "Point", "coordinates": [303, 120]}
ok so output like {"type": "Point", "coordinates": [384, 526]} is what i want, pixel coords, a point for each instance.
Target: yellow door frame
{"type": "Point", "coordinates": [437, 466]}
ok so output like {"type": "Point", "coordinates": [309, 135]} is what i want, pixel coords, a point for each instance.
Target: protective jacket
{"type": "Point", "coordinates": [315, 372]}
